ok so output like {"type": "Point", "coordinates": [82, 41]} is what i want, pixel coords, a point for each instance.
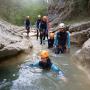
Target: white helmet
{"type": "Point", "coordinates": [61, 25]}
{"type": "Point", "coordinates": [39, 16]}
{"type": "Point", "coordinates": [27, 16]}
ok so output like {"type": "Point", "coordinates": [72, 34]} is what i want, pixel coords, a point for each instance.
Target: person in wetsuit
{"type": "Point", "coordinates": [46, 64]}
{"type": "Point", "coordinates": [27, 25]}
{"type": "Point", "coordinates": [61, 39]}
{"type": "Point", "coordinates": [38, 25]}
{"type": "Point", "coordinates": [43, 29]}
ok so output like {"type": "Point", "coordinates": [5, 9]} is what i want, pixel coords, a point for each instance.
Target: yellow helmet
{"type": "Point", "coordinates": [51, 35]}
{"type": "Point", "coordinates": [44, 54]}
{"type": "Point", "coordinates": [39, 16]}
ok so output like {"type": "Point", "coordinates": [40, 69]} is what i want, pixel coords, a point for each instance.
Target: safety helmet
{"type": "Point", "coordinates": [39, 16]}
{"type": "Point", "coordinates": [27, 17]}
{"type": "Point", "coordinates": [61, 25]}
{"type": "Point", "coordinates": [44, 17]}
{"type": "Point", "coordinates": [51, 35]}
{"type": "Point", "coordinates": [44, 54]}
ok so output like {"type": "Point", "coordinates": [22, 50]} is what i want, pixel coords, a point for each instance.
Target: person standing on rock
{"type": "Point", "coordinates": [38, 24]}
{"type": "Point", "coordinates": [43, 29]}
{"type": "Point", "coordinates": [27, 24]}
{"type": "Point", "coordinates": [62, 40]}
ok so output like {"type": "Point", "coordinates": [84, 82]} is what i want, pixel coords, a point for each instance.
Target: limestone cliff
{"type": "Point", "coordinates": [59, 10]}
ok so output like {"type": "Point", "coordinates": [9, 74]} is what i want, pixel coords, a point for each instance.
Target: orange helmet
{"type": "Point", "coordinates": [51, 35]}
{"type": "Point", "coordinates": [44, 18]}
{"type": "Point", "coordinates": [44, 54]}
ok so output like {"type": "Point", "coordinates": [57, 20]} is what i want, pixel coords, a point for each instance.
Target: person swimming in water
{"type": "Point", "coordinates": [46, 64]}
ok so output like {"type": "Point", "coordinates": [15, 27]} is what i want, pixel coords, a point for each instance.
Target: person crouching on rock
{"type": "Point", "coordinates": [43, 30]}
{"type": "Point", "coordinates": [27, 24]}
{"type": "Point", "coordinates": [51, 40]}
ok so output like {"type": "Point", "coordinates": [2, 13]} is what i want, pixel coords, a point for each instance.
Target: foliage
{"type": "Point", "coordinates": [15, 11]}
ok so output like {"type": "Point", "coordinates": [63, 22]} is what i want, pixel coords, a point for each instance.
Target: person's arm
{"type": "Point", "coordinates": [55, 41]}
{"type": "Point", "coordinates": [58, 72]}
{"type": "Point", "coordinates": [36, 64]}
{"type": "Point", "coordinates": [68, 40]}
{"type": "Point", "coordinates": [55, 68]}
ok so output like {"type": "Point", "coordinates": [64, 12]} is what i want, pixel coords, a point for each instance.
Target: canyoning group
{"type": "Point", "coordinates": [59, 40]}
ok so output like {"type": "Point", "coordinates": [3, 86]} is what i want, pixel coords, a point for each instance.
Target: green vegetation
{"type": "Point", "coordinates": [15, 11]}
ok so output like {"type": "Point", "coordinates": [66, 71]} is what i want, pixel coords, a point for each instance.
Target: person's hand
{"type": "Point", "coordinates": [60, 46]}
{"type": "Point", "coordinates": [55, 46]}
{"type": "Point", "coordinates": [54, 75]}
{"type": "Point", "coordinates": [68, 50]}
{"type": "Point", "coordinates": [64, 79]}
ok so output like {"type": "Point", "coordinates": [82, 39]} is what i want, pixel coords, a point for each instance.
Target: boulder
{"type": "Point", "coordinates": [82, 56]}
{"type": "Point", "coordinates": [76, 27]}
{"type": "Point", "coordinates": [11, 40]}
{"type": "Point", "coordinates": [80, 37]}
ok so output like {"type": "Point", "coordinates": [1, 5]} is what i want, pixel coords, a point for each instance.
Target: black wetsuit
{"type": "Point", "coordinates": [62, 40]}
{"type": "Point", "coordinates": [37, 25]}
{"type": "Point", "coordinates": [27, 25]}
{"type": "Point", "coordinates": [43, 31]}
{"type": "Point", "coordinates": [46, 65]}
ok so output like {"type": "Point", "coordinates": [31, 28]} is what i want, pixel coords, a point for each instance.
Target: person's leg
{"type": "Point", "coordinates": [49, 43]}
{"type": "Point", "coordinates": [41, 37]}
{"type": "Point", "coordinates": [37, 34]}
{"type": "Point", "coordinates": [57, 51]}
{"type": "Point", "coordinates": [44, 35]}
{"type": "Point", "coordinates": [52, 42]}
{"type": "Point", "coordinates": [47, 35]}
{"type": "Point", "coordinates": [64, 49]}
{"type": "Point", "coordinates": [28, 30]}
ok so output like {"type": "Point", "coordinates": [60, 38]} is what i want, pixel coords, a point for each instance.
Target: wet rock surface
{"type": "Point", "coordinates": [11, 39]}
{"type": "Point", "coordinates": [82, 56]}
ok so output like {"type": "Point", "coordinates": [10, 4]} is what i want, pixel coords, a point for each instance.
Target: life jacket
{"type": "Point", "coordinates": [45, 65]}
{"type": "Point", "coordinates": [62, 38]}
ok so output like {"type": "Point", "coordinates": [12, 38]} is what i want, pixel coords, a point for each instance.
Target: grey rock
{"type": "Point", "coordinates": [82, 56]}
{"type": "Point", "coordinates": [11, 40]}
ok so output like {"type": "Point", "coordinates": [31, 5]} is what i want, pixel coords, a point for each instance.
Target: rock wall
{"type": "Point", "coordinates": [80, 32]}
{"type": "Point", "coordinates": [82, 56]}
{"type": "Point", "coordinates": [11, 40]}
{"type": "Point", "coordinates": [59, 10]}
